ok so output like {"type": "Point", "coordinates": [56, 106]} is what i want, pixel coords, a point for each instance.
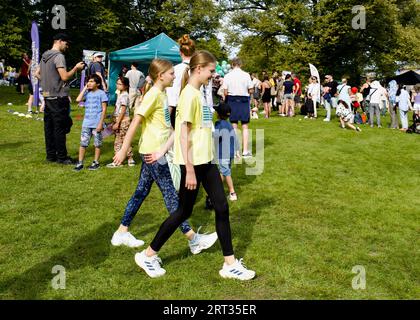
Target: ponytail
{"type": "Point", "coordinates": [157, 66]}
{"type": "Point", "coordinates": [199, 58]}
{"type": "Point", "coordinates": [148, 86]}
{"type": "Point", "coordinates": [185, 77]}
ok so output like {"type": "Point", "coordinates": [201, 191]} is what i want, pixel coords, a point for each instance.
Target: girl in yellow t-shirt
{"type": "Point", "coordinates": [193, 151]}
{"type": "Point", "coordinates": [156, 138]}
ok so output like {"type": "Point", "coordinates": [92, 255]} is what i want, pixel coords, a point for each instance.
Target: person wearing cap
{"type": "Point", "coordinates": [98, 68]}
{"type": "Point", "coordinates": [54, 81]}
{"type": "Point", "coordinates": [224, 142]}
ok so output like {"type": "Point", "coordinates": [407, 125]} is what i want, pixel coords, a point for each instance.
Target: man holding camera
{"type": "Point", "coordinates": [54, 82]}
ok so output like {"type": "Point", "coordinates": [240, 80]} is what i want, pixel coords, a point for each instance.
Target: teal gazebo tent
{"type": "Point", "coordinates": [161, 47]}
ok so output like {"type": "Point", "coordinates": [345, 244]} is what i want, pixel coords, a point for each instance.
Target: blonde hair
{"type": "Point", "coordinates": [157, 66]}
{"type": "Point", "coordinates": [200, 58]}
{"type": "Point", "coordinates": [186, 45]}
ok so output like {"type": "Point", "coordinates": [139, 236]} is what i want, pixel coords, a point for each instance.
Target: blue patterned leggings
{"type": "Point", "coordinates": [160, 174]}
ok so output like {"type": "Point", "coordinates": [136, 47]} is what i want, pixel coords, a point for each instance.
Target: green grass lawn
{"type": "Point", "coordinates": [328, 200]}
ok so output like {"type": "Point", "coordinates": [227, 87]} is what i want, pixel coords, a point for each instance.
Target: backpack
{"type": "Point", "coordinates": [358, 118]}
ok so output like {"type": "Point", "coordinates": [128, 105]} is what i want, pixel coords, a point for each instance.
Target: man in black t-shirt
{"type": "Point", "coordinates": [365, 90]}
{"type": "Point", "coordinates": [332, 84]}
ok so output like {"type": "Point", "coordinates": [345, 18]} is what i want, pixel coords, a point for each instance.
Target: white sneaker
{"type": "Point", "coordinates": [150, 264]}
{"type": "Point", "coordinates": [326, 120]}
{"type": "Point", "coordinates": [125, 238]}
{"type": "Point", "coordinates": [131, 163]}
{"type": "Point", "coordinates": [233, 196]}
{"type": "Point", "coordinates": [305, 117]}
{"type": "Point", "coordinates": [236, 270]}
{"type": "Point", "coordinates": [202, 242]}
{"type": "Point", "coordinates": [247, 155]}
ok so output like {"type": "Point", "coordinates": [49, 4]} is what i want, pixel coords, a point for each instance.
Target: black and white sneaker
{"type": "Point", "coordinates": [94, 165]}
{"type": "Point", "coordinates": [66, 161]}
{"type": "Point", "coordinates": [79, 166]}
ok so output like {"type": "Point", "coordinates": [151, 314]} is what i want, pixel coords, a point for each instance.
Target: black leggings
{"type": "Point", "coordinates": [209, 175]}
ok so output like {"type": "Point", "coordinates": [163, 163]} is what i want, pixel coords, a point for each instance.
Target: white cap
{"type": "Point", "coordinates": [98, 54]}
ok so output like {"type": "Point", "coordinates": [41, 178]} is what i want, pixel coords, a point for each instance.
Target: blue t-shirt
{"type": "Point", "coordinates": [93, 108]}
{"type": "Point", "coordinates": [224, 140]}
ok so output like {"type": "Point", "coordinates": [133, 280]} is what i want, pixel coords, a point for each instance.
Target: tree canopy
{"type": "Point", "coordinates": [106, 25]}
{"type": "Point", "coordinates": [289, 34]}
{"type": "Point", "coordinates": [271, 34]}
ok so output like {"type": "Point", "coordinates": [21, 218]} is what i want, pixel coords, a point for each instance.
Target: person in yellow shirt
{"type": "Point", "coordinates": [156, 139]}
{"type": "Point", "coordinates": [193, 152]}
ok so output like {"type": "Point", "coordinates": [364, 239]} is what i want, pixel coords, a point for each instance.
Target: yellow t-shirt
{"type": "Point", "coordinates": [190, 109]}
{"type": "Point", "coordinates": [156, 128]}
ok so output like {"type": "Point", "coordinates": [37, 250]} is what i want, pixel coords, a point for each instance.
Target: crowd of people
{"type": "Point", "coordinates": [283, 92]}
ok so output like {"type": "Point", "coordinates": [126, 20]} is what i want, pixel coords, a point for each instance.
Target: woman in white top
{"type": "Point", "coordinates": [375, 94]}
{"type": "Point", "coordinates": [313, 95]}
{"type": "Point", "coordinates": [404, 105]}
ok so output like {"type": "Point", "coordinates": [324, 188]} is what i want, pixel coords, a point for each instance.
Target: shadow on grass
{"type": "Point", "coordinates": [247, 218]}
{"type": "Point", "coordinates": [12, 145]}
{"type": "Point", "coordinates": [89, 250]}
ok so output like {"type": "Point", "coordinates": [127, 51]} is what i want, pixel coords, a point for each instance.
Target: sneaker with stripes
{"type": "Point", "coordinates": [236, 270]}
{"type": "Point", "coordinates": [150, 264]}
{"type": "Point", "coordinates": [202, 241]}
